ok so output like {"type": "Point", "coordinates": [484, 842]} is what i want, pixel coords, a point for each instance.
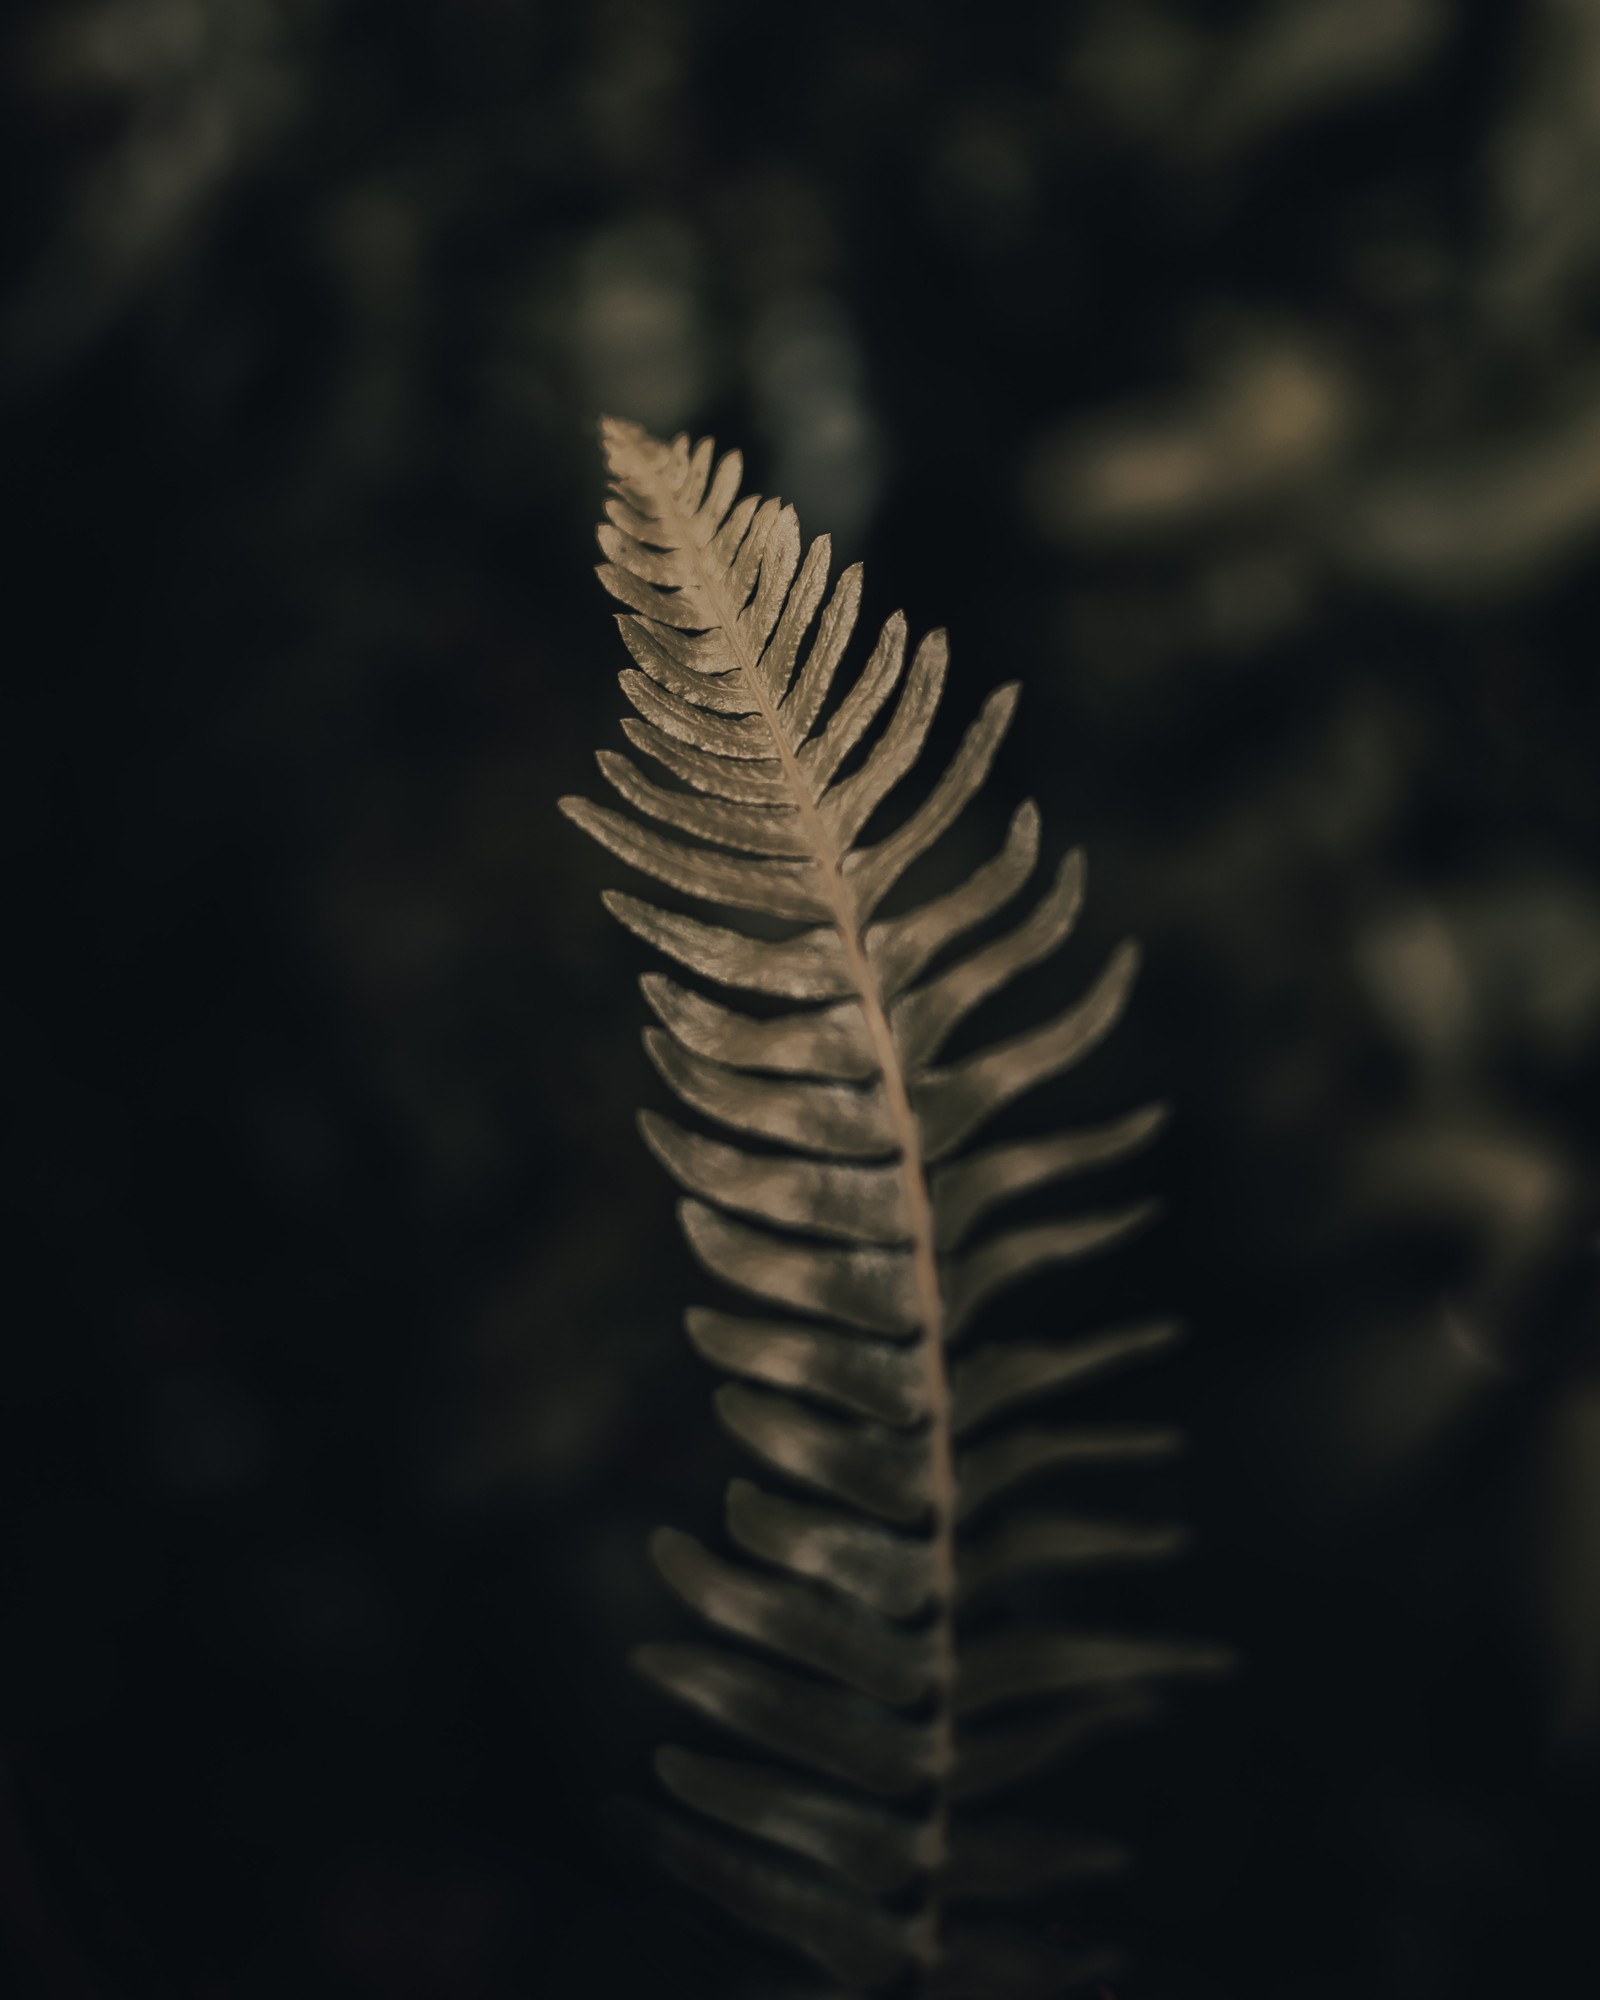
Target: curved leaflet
{"type": "Point", "coordinates": [837, 1193]}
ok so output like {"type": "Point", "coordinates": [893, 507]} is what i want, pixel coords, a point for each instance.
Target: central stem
{"type": "Point", "coordinates": [908, 1139]}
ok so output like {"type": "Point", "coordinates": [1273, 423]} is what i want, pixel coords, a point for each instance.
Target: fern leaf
{"type": "Point", "coordinates": [861, 1219]}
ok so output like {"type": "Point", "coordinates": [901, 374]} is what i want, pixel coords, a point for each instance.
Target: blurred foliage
{"type": "Point", "coordinates": [1231, 372]}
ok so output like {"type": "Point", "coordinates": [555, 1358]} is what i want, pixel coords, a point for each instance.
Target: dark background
{"type": "Point", "coordinates": [1231, 373]}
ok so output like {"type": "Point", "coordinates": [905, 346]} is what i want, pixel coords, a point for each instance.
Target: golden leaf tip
{"type": "Point", "coordinates": [629, 448]}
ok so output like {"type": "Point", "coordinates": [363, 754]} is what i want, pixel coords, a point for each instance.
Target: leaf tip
{"type": "Point", "coordinates": [665, 1057]}
{"type": "Point", "coordinates": [695, 1219]}
{"type": "Point", "coordinates": [657, 1133]}
{"type": "Point", "coordinates": [664, 1546]}
{"type": "Point", "coordinates": [626, 445]}
{"type": "Point", "coordinates": [1125, 962]}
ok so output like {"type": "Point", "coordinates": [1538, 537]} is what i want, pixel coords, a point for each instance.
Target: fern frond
{"type": "Point", "coordinates": [861, 1222]}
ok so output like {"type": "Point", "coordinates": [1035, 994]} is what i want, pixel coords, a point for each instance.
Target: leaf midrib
{"type": "Point", "coordinates": [903, 1121]}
